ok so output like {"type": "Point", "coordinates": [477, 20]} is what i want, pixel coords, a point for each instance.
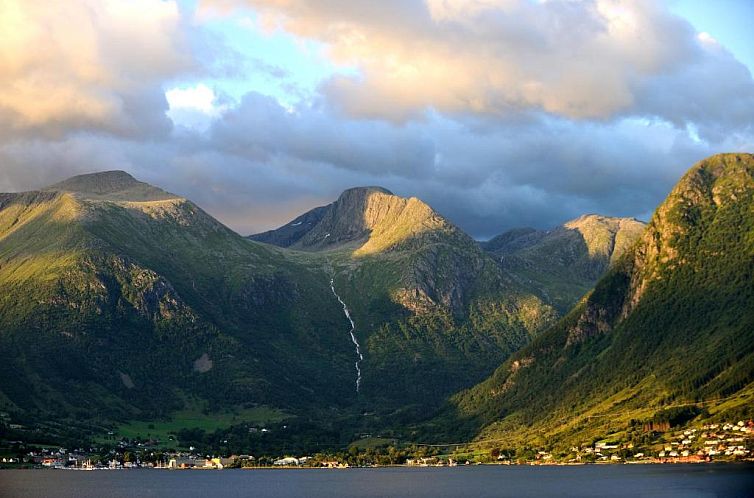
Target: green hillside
{"type": "Point", "coordinates": [113, 308]}
{"type": "Point", "coordinates": [669, 330]}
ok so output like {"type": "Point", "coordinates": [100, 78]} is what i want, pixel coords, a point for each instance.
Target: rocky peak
{"type": "Point", "coordinates": [604, 236]}
{"type": "Point", "coordinates": [370, 219]}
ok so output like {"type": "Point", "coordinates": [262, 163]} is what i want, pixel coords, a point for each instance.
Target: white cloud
{"type": "Point", "coordinates": [193, 106]}
{"type": "Point", "coordinates": [198, 98]}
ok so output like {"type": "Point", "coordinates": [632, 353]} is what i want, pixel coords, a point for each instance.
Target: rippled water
{"type": "Point", "coordinates": [717, 480]}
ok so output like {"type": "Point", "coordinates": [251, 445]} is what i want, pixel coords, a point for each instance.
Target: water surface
{"type": "Point", "coordinates": [668, 481]}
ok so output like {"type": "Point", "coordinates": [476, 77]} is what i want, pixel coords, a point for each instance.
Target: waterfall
{"type": "Point", "coordinates": [359, 356]}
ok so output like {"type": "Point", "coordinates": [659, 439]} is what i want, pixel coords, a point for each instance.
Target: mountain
{"type": "Point", "coordinates": [121, 301]}
{"type": "Point", "coordinates": [111, 185]}
{"type": "Point", "coordinates": [563, 264]}
{"type": "Point", "coordinates": [432, 311]}
{"type": "Point", "coordinates": [367, 219]}
{"type": "Point", "coordinates": [666, 335]}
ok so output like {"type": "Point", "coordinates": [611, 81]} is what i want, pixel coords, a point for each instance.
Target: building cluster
{"type": "Point", "coordinates": [728, 439]}
{"type": "Point", "coordinates": [723, 441]}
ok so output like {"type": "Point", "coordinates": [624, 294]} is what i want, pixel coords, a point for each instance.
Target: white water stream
{"type": "Point", "coordinates": [353, 336]}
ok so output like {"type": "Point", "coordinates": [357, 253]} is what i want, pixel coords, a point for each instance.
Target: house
{"type": "Point", "coordinates": [213, 463]}
{"type": "Point", "coordinates": [181, 463]}
{"type": "Point", "coordinates": [288, 461]}
{"type": "Point", "coordinates": [606, 446]}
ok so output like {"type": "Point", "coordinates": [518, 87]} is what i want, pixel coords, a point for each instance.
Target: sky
{"type": "Point", "coordinates": [498, 113]}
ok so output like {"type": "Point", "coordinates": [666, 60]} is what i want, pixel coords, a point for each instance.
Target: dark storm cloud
{"type": "Point", "coordinates": [260, 166]}
{"type": "Point", "coordinates": [260, 128]}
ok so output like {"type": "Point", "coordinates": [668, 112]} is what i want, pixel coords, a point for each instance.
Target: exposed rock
{"type": "Point", "coordinates": [369, 219]}
{"type": "Point", "coordinates": [203, 364]}
{"type": "Point", "coordinates": [126, 380]}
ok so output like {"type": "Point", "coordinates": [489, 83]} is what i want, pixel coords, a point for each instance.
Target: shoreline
{"type": "Point", "coordinates": [304, 468]}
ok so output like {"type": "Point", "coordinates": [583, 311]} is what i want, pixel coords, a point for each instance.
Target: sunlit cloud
{"type": "Point", "coordinates": [88, 64]}
{"type": "Point", "coordinates": [193, 106]}
{"type": "Point", "coordinates": [198, 98]}
{"type": "Point", "coordinates": [580, 60]}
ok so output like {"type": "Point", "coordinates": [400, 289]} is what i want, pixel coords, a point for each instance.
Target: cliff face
{"type": "Point", "coordinates": [714, 190]}
{"type": "Point", "coordinates": [689, 233]}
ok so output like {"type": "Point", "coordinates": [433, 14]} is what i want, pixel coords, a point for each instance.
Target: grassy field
{"type": "Point", "coordinates": [163, 430]}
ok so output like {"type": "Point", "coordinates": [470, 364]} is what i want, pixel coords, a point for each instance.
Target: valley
{"type": "Point", "coordinates": [124, 307]}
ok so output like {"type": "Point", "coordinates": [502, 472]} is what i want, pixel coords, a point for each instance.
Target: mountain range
{"type": "Point", "coordinates": [120, 301]}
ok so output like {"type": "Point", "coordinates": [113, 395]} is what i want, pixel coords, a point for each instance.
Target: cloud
{"type": "Point", "coordinates": [597, 60]}
{"type": "Point", "coordinates": [194, 106]}
{"type": "Point", "coordinates": [86, 64]}
{"type": "Point", "coordinates": [260, 165]}
{"type": "Point", "coordinates": [499, 113]}
{"type": "Point", "coordinates": [261, 129]}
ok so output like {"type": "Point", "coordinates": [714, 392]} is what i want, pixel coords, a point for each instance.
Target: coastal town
{"type": "Point", "coordinates": [729, 441]}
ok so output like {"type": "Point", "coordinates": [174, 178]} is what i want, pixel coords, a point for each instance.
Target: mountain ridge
{"type": "Point", "coordinates": [111, 281]}
{"type": "Point", "coordinates": [367, 219]}
{"type": "Point", "coordinates": [563, 263]}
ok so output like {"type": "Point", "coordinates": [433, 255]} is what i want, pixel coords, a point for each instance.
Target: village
{"type": "Point", "coordinates": [727, 441]}
{"type": "Point", "coordinates": [716, 442]}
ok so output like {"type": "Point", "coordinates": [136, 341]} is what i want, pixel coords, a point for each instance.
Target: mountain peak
{"type": "Point", "coordinates": [370, 218]}
{"type": "Point", "coordinates": [111, 185]}
{"type": "Point", "coordinates": [361, 191]}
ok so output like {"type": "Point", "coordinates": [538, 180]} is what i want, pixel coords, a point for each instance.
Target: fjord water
{"type": "Point", "coordinates": [668, 481]}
